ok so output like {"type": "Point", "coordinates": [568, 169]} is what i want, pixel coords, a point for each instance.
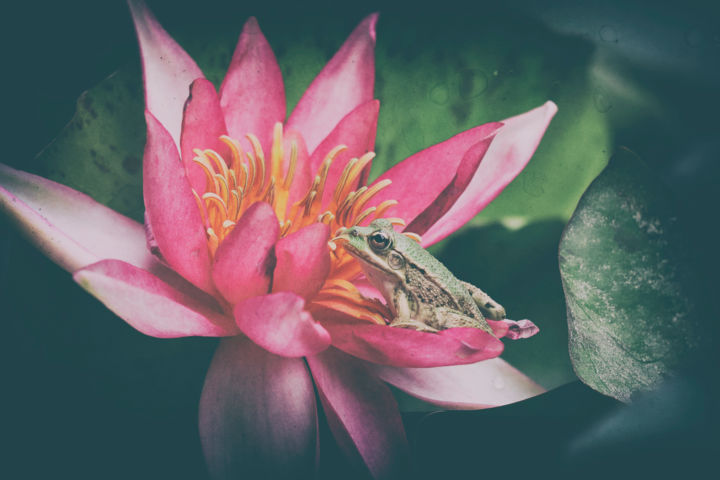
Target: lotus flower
{"type": "Point", "coordinates": [240, 205]}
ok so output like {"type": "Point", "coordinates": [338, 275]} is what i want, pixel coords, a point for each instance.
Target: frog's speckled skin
{"type": "Point", "coordinates": [420, 291]}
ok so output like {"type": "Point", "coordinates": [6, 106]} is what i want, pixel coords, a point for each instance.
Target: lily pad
{"type": "Point", "coordinates": [99, 152]}
{"type": "Point", "coordinates": [628, 282]}
{"type": "Point", "coordinates": [431, 86]}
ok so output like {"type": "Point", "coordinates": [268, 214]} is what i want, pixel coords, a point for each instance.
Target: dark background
{"type": "Point", "coordinates": [85, 396]}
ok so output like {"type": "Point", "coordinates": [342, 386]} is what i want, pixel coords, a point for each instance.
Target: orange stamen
{"type": "Point", "coordinates": [247, 176]}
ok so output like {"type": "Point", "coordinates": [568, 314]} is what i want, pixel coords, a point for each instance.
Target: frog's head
{"type": "Point", "coordinates": [374, 245]}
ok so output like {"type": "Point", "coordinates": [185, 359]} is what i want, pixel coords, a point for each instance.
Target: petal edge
{"type": "Point", "coordinates": [278, 323]}
{"type": "Point", "coordinates": [173, 214]}
{"type": "Point", "coordinates": [509, 152]}
{"type": "Point", "coordinates": [168, 70]}
{"type": "Point", "coordinates": [343, 84]}
{"type": "Point", "coordinates": [486, 384]}
{"type": "Point", "coordinates": [362, 414]}
{"type": "Point", "coordinates": [409, 348]}
{"type": "Point", "coordinates": [70, 227]}
{"type": "Point", "coordinates": [150, 305]}
{"type": "Point", "coordinates": [252, 94]}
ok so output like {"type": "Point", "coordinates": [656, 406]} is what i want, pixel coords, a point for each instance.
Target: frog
{"type": "Point", "coordinates": [421, 293]}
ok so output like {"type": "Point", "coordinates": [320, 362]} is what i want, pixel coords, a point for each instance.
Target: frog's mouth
{"type": "Point", "coordinates": [353, 242]}
{"type": "Point", "coordinates": [346, 236]}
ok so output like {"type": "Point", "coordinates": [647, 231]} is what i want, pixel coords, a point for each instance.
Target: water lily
{"type": "Point", "coordinates": [240, 205]}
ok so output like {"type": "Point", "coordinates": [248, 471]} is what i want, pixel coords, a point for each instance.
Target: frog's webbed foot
{"type": "Point", "coordinates": [520, 329]}
{"type": "Point", "coordinates": [489, 307]}
{"type": "Point", "coordinates": [413, 324]}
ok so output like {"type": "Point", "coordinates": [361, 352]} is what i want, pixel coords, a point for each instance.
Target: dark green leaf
{"type": "Point", "coordinates": [100, 151]}
{"type": "Point", "coordinates": [627, 281]}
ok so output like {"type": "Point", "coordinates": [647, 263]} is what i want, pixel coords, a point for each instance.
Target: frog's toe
{"type": "Point", "coordinates": [494, 312]}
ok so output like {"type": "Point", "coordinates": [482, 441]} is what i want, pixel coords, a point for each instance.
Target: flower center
{"type": "Point", "coordinates": [246, 177]}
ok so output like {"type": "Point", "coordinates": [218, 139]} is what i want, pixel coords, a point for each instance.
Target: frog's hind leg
{"type": "Point", "coordinates": [413, 324]}
{"type": "Point", "coordinates": [405, 309]}
{"type": "Point", "coordinates": [489, 307]}
{"type": "Point", "coordinates": [448, 318]}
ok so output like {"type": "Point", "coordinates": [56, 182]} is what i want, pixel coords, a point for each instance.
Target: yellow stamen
{"type": "Point", "coordinates": [383, 207]}
{"type": "Point", "coordinates": [326, 167]}
{"type": "Point", "coordinates": [219, 161]}
{"type": "Point", "coordinates": [259, 157]}
{"type": "Point", "coordinates": [245, 177]}
{"type": "Point", "coordinates": [398, 222]}
{"type": "Point", "coordinates": [201, 207]}
{"type": "Point", "coordinates": [223, 187]}
{"type": "Point", "coordinates": [208, 169]}
{"type": "Point", "coordinates": [215, 199]}
{"type": "Point", "coordinates": [413, 236]}
{"type": "Point", "coordinates": [276, 152]}
{"type": "Point", "coordinates": [352, 171]}
{"type": "Point", "coordinates": [364, 215]}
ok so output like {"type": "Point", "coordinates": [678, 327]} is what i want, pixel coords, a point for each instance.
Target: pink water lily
{"type": "Point", "coordinates": [240, 205]}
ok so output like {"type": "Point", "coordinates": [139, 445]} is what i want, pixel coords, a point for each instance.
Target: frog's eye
{"type": "Point", "coordinates": [379, 241]}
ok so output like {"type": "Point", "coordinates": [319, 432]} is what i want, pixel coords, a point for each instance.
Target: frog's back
{"type": "Point", "coordinates": [443, 287]}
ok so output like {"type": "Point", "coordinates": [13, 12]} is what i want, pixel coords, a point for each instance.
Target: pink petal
{"type": "Point", "coordinates": [368, 290]}
{"type": "Point", "coordinates": [243, 261]}
{"type": "Point", "coordinates": [465, 171]}
{"type": "Point", "coordinates": [508, 154]}
{"type": "Point", "coordinates": [202, 127]}
{"type": "Point", "coordinates": [362, 414]}
{"type": "Point", "coordinates": [171, 209]}
{"type": "Point", "coordinates": [402, 347]}
{"type": "Point", "coordinates": [500, 328]}
{"type": "Point", "coordinates": [252, 94]}
{"type": "Point", "coordinates": [304, 176]}
{"type": "Point", "coordinates": [419, 179]}
{"type": "Point", "coordinates": [345, 83]}
{"type": "Point", "coordinates": [303, 261]}
{"type": "Point", "coordinates": [151, 305]}
{"type": "Point", "coordinates": [357, 132]}
{"type": "Point", "coordinates": [70, 227]}
{"type": "Point", "coordinates": [490, 383]}
{"type": "Point", "coordinates": [258, 417]}
{"type": "Point", "coordinates": [168, 70]}
{"type": "Point", "coordinates": [278, 323]}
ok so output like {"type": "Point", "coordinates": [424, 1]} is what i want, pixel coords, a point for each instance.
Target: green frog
{"type": "Point", "coordinates": [420, 291]}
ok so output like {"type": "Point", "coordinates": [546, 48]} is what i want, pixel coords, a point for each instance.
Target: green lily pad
{"type": "Point", "coordinates": [431, 86]}
{"type": "Point", "coordinates": [628, 283]}
{"type": "Point", "coordinates": [99, 152]}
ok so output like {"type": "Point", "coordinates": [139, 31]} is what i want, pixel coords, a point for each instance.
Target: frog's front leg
{"type": "Point", "coordinates": [489, 307]}
{"type": "Point", "coordinates": [449, 318]}
{"type": "Point", "coordinates": [404, 312]}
